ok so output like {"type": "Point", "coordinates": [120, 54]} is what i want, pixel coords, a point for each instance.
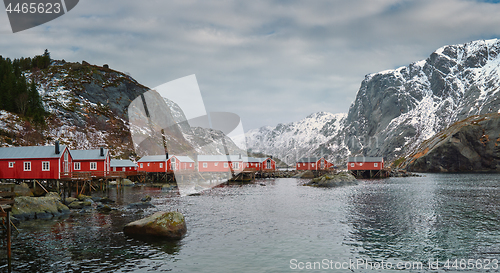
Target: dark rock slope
{"type": "Point", "coordinates": [470, 145]}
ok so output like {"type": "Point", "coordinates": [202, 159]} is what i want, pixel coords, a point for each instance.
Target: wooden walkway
{"type": "Point", "coordinates": [6, 203]}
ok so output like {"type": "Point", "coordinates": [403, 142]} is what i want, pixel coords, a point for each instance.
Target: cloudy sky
{"type": "Point", "coordinates": [269, 61]}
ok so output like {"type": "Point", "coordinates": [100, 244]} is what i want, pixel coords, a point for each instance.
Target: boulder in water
{"type": "Point", "coordinates": [26, 208]}
{"type": "Point", "coordinates": [170, 225]}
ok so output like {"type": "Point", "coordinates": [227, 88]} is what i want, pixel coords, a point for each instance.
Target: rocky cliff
{"type": "Point", "coordinates": [396, 110]}
{"type": "Point", "coordinates": [88, 108]}
{"type": "Point", "coordinates": [469, 145]}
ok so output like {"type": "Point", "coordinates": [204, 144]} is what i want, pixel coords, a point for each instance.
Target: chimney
{"type": "Point", "coordinates": [240, 156]}
{"type": "Point", "coordinates": [57, 147]}
{"type": "Point", "coordinates": [166, 154]}
{"type": "Point", "coordinates": [102, 151]}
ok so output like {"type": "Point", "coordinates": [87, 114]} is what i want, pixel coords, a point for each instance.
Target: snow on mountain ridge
{"type": "Point", "coordinates": [396, 110]}
{"type": "Point", "coordinates": [291, 141]}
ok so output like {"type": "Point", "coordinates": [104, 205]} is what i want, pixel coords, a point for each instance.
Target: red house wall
{"type": "Point", "coordinates": [365, 166]}
{"type": "Point", "coordinates": [211, 167]}
{"type": "Point", "coordinates": [253, 165]}
{"type": "Point", "coordinates": [264, 165]}
{"type": "Point", "coordinates": [127, 169]}
{"type": "Point", "coordinates": [309, 165]}
{"type": "Point", "coordinates": [154, 167]}
{"type": "Point", "coordinates": [17, 172]}
{"type": "Point", "coordinates": [179, 165]}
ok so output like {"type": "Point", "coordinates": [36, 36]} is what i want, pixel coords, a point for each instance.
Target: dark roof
{"type": "Point", "coordinates": [309, 159]}
{"type": "Point", "coordinates": [31, 152]}
{"type": "Point", "coordinates": [88, 154]}
{"type": "Point", "coordinates": [361, 159]}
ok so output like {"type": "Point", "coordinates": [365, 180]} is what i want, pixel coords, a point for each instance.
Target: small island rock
{"type": "Point", "coordinates": [169, 225]}
{"type": "Point", "coordinates": [333, 180]}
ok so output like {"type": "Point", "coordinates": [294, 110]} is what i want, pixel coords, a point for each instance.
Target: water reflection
{"type": "Point", "coordinates": [260, 228]}
{"type": "Point", "coordinates": [435, 217]}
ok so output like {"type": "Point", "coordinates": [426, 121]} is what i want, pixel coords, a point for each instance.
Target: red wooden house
{"type": "Point", "coordinates": [220, 163]}
{"type": "Point", "coordinates": [259, 164]}
{"type": "Point", "coordinates": [35, 162]}
{"type": "Point", "coordinates": [252, 163]}
{"type": "Point", "coordinates": [268, 164]}
{"type": "Point", "coordinates": [153, 163]}
{"type": "Point", "coordinates": [313, 163]}
{"type": "Point", "coordinates": [362, 163]}
{"type": "Point", "coordinates": [160, 163]}
{"type": "Point", "coordinates": [97, 161]}
{"type": "Point", "coordinates": [120, 165]}
{"type": "Point", "coordinates": [180, 163]}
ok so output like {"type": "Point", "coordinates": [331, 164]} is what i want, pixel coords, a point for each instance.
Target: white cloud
{"type": "Point", "coordinates": [268, 61]}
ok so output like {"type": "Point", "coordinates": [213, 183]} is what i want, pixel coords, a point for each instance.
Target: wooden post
{"type": "Point", "coordinates": [9, 244]}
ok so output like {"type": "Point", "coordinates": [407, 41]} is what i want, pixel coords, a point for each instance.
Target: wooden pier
{"type": "Point", "coordinates": [369, 174]}
{"type": "Point", "coordinates": [6, 203]}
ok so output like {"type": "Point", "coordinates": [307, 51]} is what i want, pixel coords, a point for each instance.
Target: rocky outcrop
{"type": "Point", "coordinates": [333, 180]}
{"type": "Point", "coordinates": [306, 174]}
{"type": "Point", "coordinates": [170, 225]}
{"type": "Point", "coordinates": [470, 145]}
{"type": "Point", "coordinates": [26, 208]}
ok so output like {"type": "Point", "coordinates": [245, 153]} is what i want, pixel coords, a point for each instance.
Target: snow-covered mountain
{"type": "Point", "coordinates": [396, 110]}
{"type": "Point", "coordinates": [290, 142]}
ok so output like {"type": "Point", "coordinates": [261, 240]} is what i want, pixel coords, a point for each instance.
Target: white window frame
{"type": "Point", "coordinates": [248, 165]}
{"type": "Point", "coordinates": [205, 165]}
{"type": "Point", "coordinates": [148, 164]}
{"type": "Point", "coordinates": [226, 165]}
{"type": "Point", "coordinates": [27, 166]}
{"type": "Point", "coordinates": [352, 165]}
{"type": "Point", "coordinates": [216, 164]}
{"type": "Point", "coordinates": [190, 164]}
{"type": "Point", "coordinates": [141, 166]}
{"type": "Point", "coordinates": [375, 164]}
{"type": "Point", "coordinates": [11, 164]}
{"type": "Point", "coordinates": [312, 165]}
{"type": "Point", "coordinates": [124, 169]}
{"type": "Point", "coordinates": [161, 165]}
{"type": "Point", "coordinates": [93, 166]}
{"type": "Point", "coordinates": [77, 164]}
{"type": "Point", "coordinates": [45, 166]}
{"type": "Point", "coordinates": [236, 165]}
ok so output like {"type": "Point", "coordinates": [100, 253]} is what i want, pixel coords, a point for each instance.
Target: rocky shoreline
{"type": "Point", "coordinates": [332, 180]}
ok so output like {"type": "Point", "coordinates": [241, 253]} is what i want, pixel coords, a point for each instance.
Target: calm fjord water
{"type": "Point", "coordinates": [280, 227]}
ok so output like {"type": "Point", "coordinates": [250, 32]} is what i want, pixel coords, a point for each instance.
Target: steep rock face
{"type": "Point", "coordinates": [290, 142]}
{"type": "Point", "coordinates": [469, 145]}
{"type": "Point", "coordinates": [396, 110]}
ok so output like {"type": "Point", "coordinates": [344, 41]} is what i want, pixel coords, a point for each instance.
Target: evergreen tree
{"type": "Point", "coordinates": [16, 95]}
